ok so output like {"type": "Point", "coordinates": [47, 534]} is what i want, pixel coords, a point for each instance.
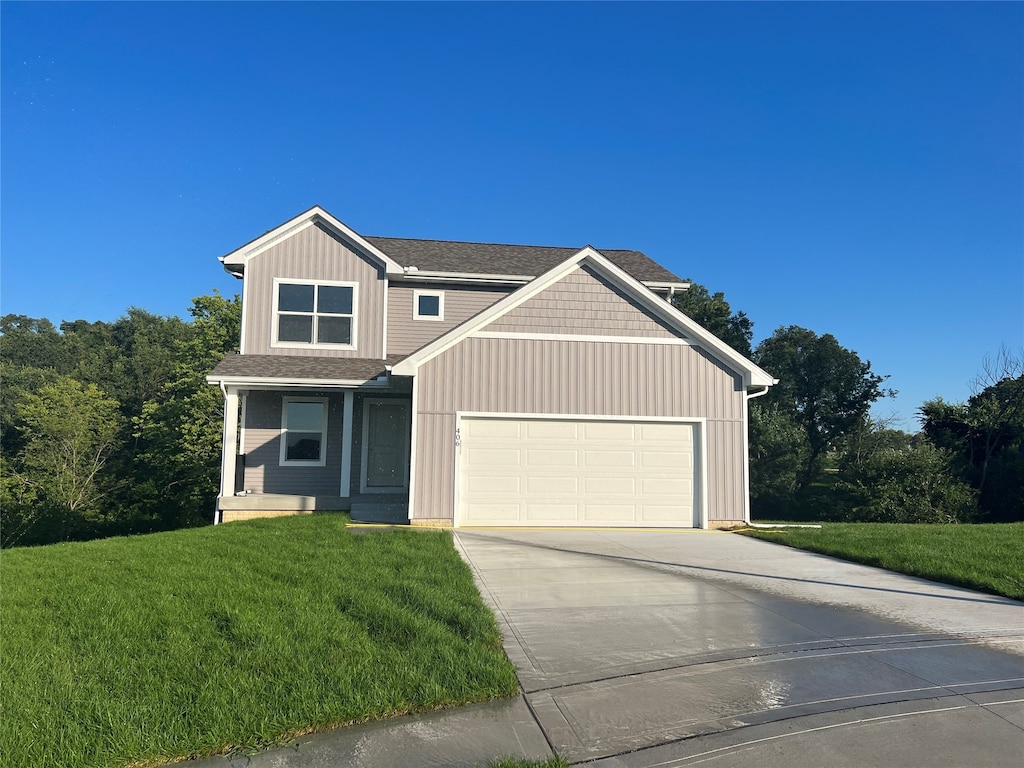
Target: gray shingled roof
{"type": "Point", "coordinates": [300, 367]}
{"type": "Point", "coordinates": [498, 259]}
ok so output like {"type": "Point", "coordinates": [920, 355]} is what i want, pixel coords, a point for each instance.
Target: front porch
{"type": "Point", "coordinates": [390, 508]}
{"type": "Point", "coordinates": [294, 451]}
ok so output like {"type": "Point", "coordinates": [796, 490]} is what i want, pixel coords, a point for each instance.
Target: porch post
{"type": "Point", "coordinates": [346, 445]}
{"type": "Point", "coordinates": [229, 444]}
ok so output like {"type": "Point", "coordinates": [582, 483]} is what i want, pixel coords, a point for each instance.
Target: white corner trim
{"type": "Point", "coordinates": [283, 460]}
{"type": "Point", "coordinates": [416, 294]}
{"type": "Point", "coordinates": [384, 321]}
{"type": "Point", "coordinates": [414, 432]}
{"type": "Point", "coordinates": [666, 340]}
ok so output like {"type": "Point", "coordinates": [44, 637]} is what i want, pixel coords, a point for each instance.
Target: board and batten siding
{"type": "Point", "coordinates": [527, 376]}
{"type": "Point", "coordinates": [310, 255]}
{"type": "Point", "coordinates": [262, 448]}
{"type": "Point", "coordinates": [406, 335]}
{"type": "Point", "coordinates": [582, 302]}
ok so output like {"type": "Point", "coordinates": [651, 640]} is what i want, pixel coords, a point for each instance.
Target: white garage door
{"type": "Point", "coordinates": [562, 472]}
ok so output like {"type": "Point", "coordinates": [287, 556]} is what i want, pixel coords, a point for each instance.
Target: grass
{"type": "Point", "coordinates": [983, 557]}
{"type": "Point", "coordinates": [519, 762]}
{"type": "Point", "coordinates": [142, 650]}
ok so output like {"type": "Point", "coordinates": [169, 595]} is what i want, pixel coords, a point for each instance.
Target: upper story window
{"type": "Point", "coordinates": [314, 314]}
{"type": "Point", "coordinates": [428, 305]}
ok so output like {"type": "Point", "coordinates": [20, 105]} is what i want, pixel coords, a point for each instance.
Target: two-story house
{"type": "Point", "coordinates": [476, 384]}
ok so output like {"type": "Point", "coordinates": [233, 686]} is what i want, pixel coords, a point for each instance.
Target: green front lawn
{"type": "Point", "coordinates": [989, 558]}
{"type": "Point", "coordinates": [146, 649]}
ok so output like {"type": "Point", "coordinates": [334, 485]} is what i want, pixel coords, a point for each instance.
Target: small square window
{"type": "Point", "coordinates": [428, 305]}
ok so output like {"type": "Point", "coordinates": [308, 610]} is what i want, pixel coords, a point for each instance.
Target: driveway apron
{"type": "Point", "coordinates": [639, 648]}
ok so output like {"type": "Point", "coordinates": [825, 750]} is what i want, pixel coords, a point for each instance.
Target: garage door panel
{"type": "Point", "coordinates": [552, 485]}
{"type": "Point", "coordinates": [557, 430]}
{"type": "Point", "coordinates": [607, 458]}
{"type": "Point", "coordinates": [536, 471]}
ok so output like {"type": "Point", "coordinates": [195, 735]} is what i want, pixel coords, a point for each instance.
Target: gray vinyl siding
{"type": "Point", "coordinates": [262, 448]}
{"type": "Point", "coordinates": [406, 335]}
{"type": "Point", "coordinates": [582, 302]}
{"type": "Point", "coordinates": [578, 377]}
{"type": "Point", "coordinates": [313, 254]}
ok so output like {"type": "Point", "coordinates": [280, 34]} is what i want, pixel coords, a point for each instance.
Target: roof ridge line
{"type": "Point", "coordinates": [572, 248]}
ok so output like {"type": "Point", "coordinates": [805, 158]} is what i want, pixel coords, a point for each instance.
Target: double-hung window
{"type": "Point", "coordinates": [304, 431]}
{"type": "Point", "coordinates": [314, 314]}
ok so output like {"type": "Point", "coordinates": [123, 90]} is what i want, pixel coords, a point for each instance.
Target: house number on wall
{"type": "Point", "coordinates": [458, 438]}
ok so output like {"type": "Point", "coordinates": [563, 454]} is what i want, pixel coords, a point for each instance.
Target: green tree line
{"type": "Point", "coordinates": [110, 428]}
{"type": "Point", "coordinates": [817, 454]}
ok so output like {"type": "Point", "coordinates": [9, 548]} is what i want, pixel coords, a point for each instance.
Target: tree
{"type": "Point", "coordinates": [826, 388]}
{"type": "Point", "coordinates": [986, 435]}
{"type": "Point", "coordinates": [778, 450]}
{"type": "Point", "coordinates": [181, 432]}
{"type": "Point", "coordinates": [713, 312]}
{"type": "Point", "coordinates": [70, 432]}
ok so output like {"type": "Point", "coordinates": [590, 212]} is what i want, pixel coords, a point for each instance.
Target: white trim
{"type": "Point", "coordinates": [674, 340]}
{"type": "Point", "coordinates": [700, 449]}
{"type": "Point", "coordinates": [365, 440]}
{"type": "Point", "coordinates": [414, 432]}
{"type": "Point", "coordinates": [752, 374]}
{"type": "Point", "coordinates": [384, 322]}
{"type": "Point", "coordinates": [316, 284]}
{"type": "Point", "coordinates": [272, 383]}
{"type": "Point", "coordinates": [346, 445]}
{"type": "Point", "coordinates": [229, 441]}
{"type": "Point", "coordinates": [293, 226]}
{"type": "Point", "coordinates": [416, 294]}
{"type": "Point", "coordinates": [470, 277]}
{"type": "Point", "coordinates": [285, 462]}
{"type": "Point", "coordinates": [243, 324]}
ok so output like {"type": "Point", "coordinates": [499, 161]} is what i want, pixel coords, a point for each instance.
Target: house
{"type": "Point", "coordinates": [475, 384]}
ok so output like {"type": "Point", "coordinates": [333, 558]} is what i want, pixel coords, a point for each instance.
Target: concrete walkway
{"type": "Point", "coordinates": [677, 648]}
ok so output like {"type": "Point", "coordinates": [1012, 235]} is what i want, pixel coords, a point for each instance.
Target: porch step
{"type": "Point", "coordinates": [396, 513]}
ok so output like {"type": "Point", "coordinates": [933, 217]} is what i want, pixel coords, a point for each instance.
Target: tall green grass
{"type": "Point", "coordinates": [989, 558]}
{"type": "Point", "coordinates": [146, 649]}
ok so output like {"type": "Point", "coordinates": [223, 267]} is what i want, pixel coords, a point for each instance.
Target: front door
{"type": "Point", "coordinates": [385, 446]}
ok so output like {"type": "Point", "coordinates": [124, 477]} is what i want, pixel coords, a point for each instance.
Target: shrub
{"type": "Point", "coordinates": [914, 485]}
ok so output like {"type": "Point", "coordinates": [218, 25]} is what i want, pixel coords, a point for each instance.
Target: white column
{"type": "Point", "coordinates": [229, 444]}
{"type": "Point", "coordinates": [346, 445]}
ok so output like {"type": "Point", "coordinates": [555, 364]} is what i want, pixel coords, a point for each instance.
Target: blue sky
{"type": "Point", "coordinates": [853, 168]}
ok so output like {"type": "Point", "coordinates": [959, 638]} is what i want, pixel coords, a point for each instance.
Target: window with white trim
{"type": "Point", "coordinates": [428, 305]}
{"type": "Point", "coordinates": [320, 314]}
{"type": "Point", "coordinates": [304, 431]}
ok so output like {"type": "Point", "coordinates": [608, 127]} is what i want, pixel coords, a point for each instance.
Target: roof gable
{"type": "Point", "coordinates": [630, 287]}
{"type": "Point", "coordinates": [236, 260]}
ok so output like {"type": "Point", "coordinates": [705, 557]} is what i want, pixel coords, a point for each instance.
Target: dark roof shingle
{"type": "Point", "coordinates": [500, 259]}
{"type": "Point", "coordinates": [300, 367]}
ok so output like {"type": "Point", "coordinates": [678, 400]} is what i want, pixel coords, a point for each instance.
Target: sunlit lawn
{"type": "Point", "coordinates": [145, 649]}
{"type": "Point", "coordinates": [989, 558]}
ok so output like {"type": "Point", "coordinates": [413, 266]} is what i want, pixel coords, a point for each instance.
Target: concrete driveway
{"type": "Point", "coordinates": [678, 648]}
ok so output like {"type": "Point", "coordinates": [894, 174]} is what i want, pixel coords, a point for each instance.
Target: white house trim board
{"type": "Point", "coordinates": [314, 215]}
{"type": "Point", "coordinates": [751, 373]}
{"type": "Point", "coordinates": [699, 423]}
{"type": "Point", "coordinates": [270, 383]}
{"type": "Point", "coordinates": [414, 430]}
{"type": "Point", "coordinates": [582, 337]}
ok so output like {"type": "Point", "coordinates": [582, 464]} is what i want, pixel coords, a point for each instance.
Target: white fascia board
{"type": "Point", "coordinates": [661, 286]}
{"type": "Point", "coordinates": [463, 277]}
{"type": "Point", "coordinates": [251, 382]}
{"type": "Point", "coordinates": [752, 374]}
{"type": "Point", "coordinates": [241, 256]}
